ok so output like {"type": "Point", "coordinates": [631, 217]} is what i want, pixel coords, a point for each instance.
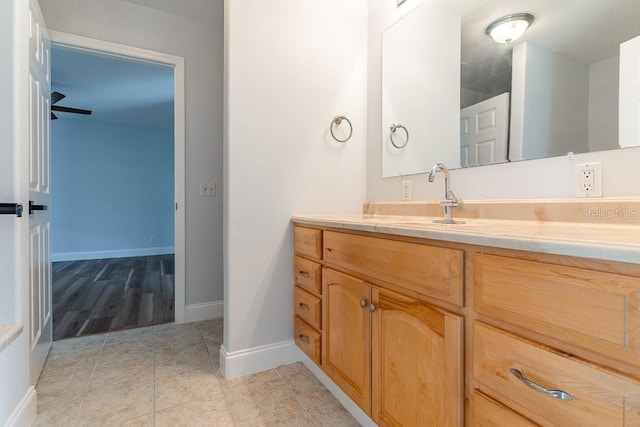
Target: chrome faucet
{"type": "Point", "coordinates": [450, 200]}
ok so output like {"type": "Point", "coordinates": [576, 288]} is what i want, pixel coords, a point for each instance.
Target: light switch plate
{"type": "Point", "coordinates": [207, 189]}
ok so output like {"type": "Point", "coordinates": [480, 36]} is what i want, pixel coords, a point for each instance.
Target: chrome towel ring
{"type": "Point", "coordinates": [393, 131]}
{"type": "Point", "coordinates": [337, 120]}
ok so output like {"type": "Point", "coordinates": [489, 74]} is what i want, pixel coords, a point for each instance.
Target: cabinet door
{"type": "Point", "coordinates": [417, 363]}
{"type": "Point", "coordinates": [346, 327]}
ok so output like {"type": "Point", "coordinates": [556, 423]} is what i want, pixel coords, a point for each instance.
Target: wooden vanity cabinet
{"type": "Point", "coordinates": [383, 316]}
{"type": "Point", "coordinates": [592, 317]}
{"type": "Point", "coordinates": [398, 357]}
{"type": "Point", "coordinates": [307, 292]}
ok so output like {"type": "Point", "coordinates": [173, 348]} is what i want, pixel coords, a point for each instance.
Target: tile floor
{"type": "Point", "coordinates": [167, 375]}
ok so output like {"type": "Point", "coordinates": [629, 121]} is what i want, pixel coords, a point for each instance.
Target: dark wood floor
{"type": "Point", "coordinates": [111, 294]}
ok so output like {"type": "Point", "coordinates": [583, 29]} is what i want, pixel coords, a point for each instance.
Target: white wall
{"type": "Point", "coordinates": [556, 102]}
{"type": "Point", "coordinates": [544, 178]}
{"type": "Point", "coordinates": [195, 32]}
{"type": "Point", "coordinates": [291, 66]}
{"type": "Point", "coordinates": [112, 190]}
{"type": "Point", "coordinates": [422, 98]}
{"type": "Point", "coordinates": [603, 104]}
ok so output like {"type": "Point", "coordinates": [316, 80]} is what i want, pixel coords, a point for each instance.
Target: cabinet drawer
{"type": "Point", "coordinates": [307, 242]}
{"type": "Point", "coordinates": [308, 339]}
{"type": "Point", "coordinates": [489, 413]}
{"type": "Point", "coordinates": [595, 310]}
{"type": "Point", "coordinates": [307, 307]}
{"type": "Point", "coordinates": [599, 397]}
{"type": "Point", "coordinates": [430, 270]}
{"type": "Point", "coordinates": [308, 274]}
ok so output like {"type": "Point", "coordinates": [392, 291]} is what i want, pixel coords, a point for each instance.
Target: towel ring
{"type": "Point", "coordinates": [337, 120]}
{"type": "Point", "coordinates": [393, 131]}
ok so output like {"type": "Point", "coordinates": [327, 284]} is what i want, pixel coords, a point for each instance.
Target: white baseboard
{"type": "Point", "coordinates": [360, 416]}
{"type": "Point", "coordinates": [25, 412]}
{"type": "Point", "coordinates": [204, 311]}
{"type": "Point", "coordinates": [117, 253]}
{"type": "Point", "coordinates": [249, 361]}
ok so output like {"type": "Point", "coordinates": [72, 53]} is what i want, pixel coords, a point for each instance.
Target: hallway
{"type": "Point", "coordinates": [168, 375]}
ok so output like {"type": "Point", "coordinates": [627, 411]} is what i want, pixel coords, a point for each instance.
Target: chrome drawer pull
{"type": "Point", "coordinates": [558, 394]}
{"type": "Point", "coordinates": [363, 303]}
{"type": "Point", "coordinates": [304, 274]}
{"type": "Point", "coordinates": [304, 306]}
{"type": "Point", "coordinates": [305, 339]}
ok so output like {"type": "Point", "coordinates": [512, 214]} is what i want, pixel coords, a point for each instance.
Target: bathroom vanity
{"type": "Point", "coordinates": [493, 322]}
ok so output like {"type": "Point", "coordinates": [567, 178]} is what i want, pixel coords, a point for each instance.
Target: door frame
{"type": "Point", "coordinates": [90, 45]}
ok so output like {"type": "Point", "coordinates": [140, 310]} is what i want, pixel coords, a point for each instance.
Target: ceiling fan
{"type": "Point", "coordinates": [57, 96]}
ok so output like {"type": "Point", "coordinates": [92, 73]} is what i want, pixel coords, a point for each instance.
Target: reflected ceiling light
{"type": "Point", "coordinates": [510, 27]}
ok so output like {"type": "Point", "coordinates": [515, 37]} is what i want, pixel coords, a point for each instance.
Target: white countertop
{"type": "Point", "coordinates": [8, 333]}
{"type": "Point", "coordinates": [612, 242]}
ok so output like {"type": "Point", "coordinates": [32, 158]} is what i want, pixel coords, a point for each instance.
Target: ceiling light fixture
{"type": "Point", "coordinates": [510, 27]}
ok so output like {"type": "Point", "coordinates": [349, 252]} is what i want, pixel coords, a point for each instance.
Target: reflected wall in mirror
{"type": "Point", "coordinates": [569, 84]}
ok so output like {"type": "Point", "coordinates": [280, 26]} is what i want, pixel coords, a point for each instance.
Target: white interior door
{"type": "Point", "coordinates": [483, 132]}
{"type": "Point", "coordinates": [39, 193]}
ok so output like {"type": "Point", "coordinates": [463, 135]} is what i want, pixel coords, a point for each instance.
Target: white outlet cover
{"type": "Point", "coordinates": [579, 190]}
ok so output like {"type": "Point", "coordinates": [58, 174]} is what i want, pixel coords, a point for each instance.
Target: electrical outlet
{"type": "Point", "coordinates": [153, 239]}
{"type": "Point", "coordinates": [588, 180]}
{"type": "Point", "coordinates": [406, 190]}
{"type": "Point", "coordinates": [207, 189]}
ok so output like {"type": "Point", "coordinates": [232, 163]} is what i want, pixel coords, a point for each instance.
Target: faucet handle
{"type": "Point", "coordinates": [451, 200]}
{"type": "Point", "coordinates": [451, 203]}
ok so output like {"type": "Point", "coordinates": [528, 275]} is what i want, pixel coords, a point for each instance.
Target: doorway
{"type": "Point", "coordinates": [118, 206]}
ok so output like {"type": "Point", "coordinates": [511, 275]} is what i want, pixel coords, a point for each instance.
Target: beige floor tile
{"type": "Point", "coordinates": [299, 419]}
{"type": "Point", "coordinates": [143, 421]}
{"type": "Point", "coordinates": [331, 414]}
{"type": "Point", "coordinates": [305, 386]}
{"type": "Point", "coordinates": [261, 400]}
{"type": "Point", "coordinates": [196, 414]}
{"type": "Point", "coordinates": [101, 407]}
{"type": "Point", "coordinates": [143, 335]}
{"type": "Point", "coordinates": [212, 330]}
{"type": "Point", "coordinates": [62, 377]}
{"type": "Point", "coordinates": [168, 375]}
{"type": "Point", "coordinates": [173, 391]}
{"type": "Point", "coordinates": [121, 373]}
{"type": "Point", "coordinates": [185, 360]}
{"type": "Point", "coordinates": [178, 335]}
{"type": "Point", "coordinates": [56, 411]}
{"type": "Point", "coordinates": [87, 347]}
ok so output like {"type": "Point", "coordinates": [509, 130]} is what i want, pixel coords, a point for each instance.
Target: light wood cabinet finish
{"type": "Point", "coordinates": [308, 339]}
{"type": "Point", "coordinates": [417, 363]}
{"type": "Point", "coordinates": [308, 307]}
{"type": "Point", "coordinates": [595, 310]}
{"type": "Point", "coordinates": [307, 302]}
{"type": "Point", "coordinates": [600, 397]}
{"type": "Point", "coordinates": [307, 242]}
{"type": "Point", "coordinates": [489, 413]}
{"type": "Point", "coordinates": [429, 270]}
{"type": "Point", "coordinates": [346, 347]}
{"type": "Point", "coordinates": [308, 274]}
{"type": "Point", "coordinates": [400, 357]}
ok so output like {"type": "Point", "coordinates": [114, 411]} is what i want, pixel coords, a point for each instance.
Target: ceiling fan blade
{"type": "Point", "coordinates": [54, 117]}
{"type": "Point", "coordinates": [56, 96]}
{"type": "Point", "coordinates": [70, 110]}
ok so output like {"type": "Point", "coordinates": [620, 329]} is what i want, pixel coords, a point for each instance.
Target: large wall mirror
{"type": "Point", "coordinates": [452, 94]}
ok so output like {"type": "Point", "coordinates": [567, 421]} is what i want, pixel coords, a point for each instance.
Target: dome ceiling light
{"type": "Point", "coordinates": [510, 27]}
